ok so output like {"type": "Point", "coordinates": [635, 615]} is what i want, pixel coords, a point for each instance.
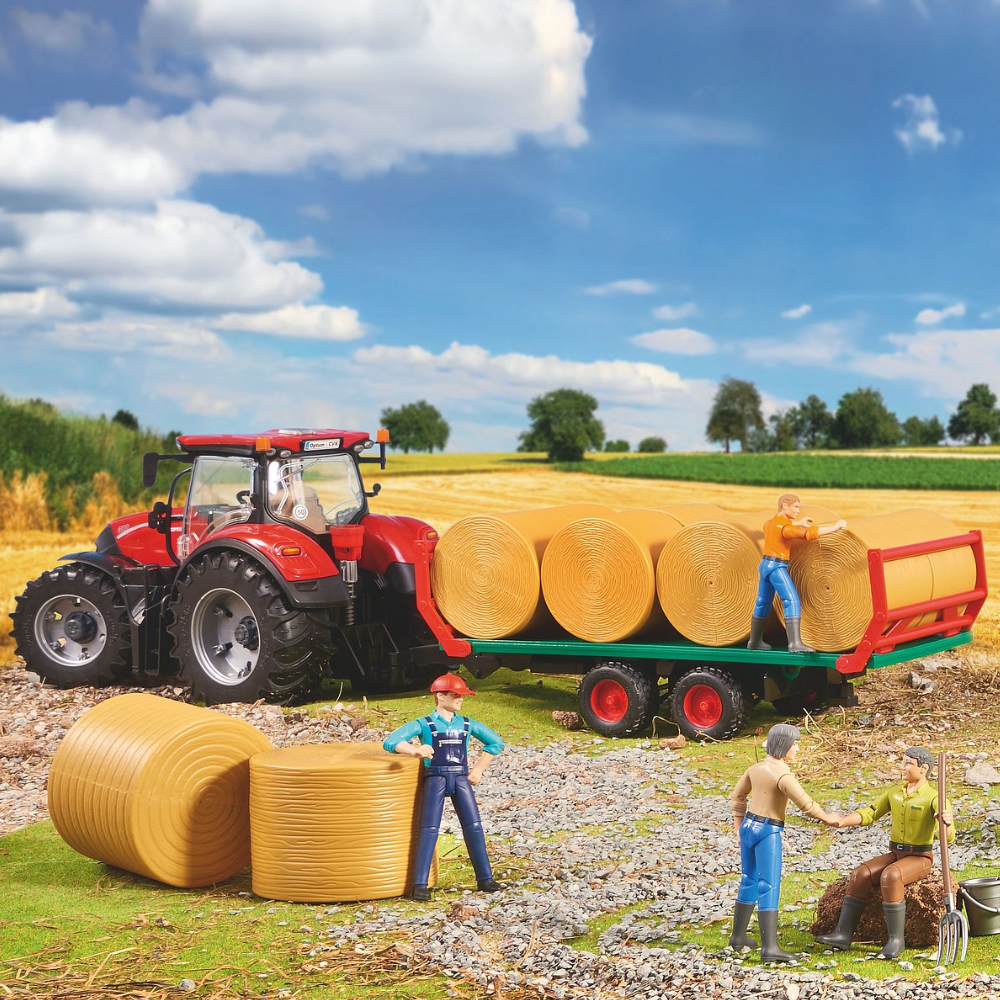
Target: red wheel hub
{"type": "Point", "coordinates": [702, 706]}
{"type": "Point", "coordinates": [609, 701]}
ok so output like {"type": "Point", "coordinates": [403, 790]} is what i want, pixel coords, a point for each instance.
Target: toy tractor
{"type": "Point", "coordinates": [273, 573]}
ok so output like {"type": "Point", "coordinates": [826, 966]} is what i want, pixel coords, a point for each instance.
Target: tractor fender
{"type": "Point", "coordinates": [390, 548]}
{"type": "Point", "coordinates": [302, 588]}
{"type": "Point", "coordinates": [113, 567]}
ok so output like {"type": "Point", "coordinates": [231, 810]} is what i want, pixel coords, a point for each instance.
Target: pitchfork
{"type": "Point", "coordinates": [953, 927]}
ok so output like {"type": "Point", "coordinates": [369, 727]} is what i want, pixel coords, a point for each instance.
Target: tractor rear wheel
{"type": "Point", "coordinates": [71, 627]}
{"type": "Point", "coordinates": [237, 638]}
{"type": "Point", "coordinates": [709, 702]}
{"type": "Point", "coordinates": [617, 699]}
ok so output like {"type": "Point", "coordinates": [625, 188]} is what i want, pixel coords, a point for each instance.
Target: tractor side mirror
{"type": "Point", "coordinates": [150, 463]}
{"type": "Point", "coordinates": [160, 517]}
{"type": "Point", "coordinates": [375, 490]}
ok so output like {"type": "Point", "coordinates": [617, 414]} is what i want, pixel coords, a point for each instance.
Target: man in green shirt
{"type": "Point", "coordinates": [914, 809]}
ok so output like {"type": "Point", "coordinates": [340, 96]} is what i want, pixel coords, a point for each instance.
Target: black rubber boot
{"type": "Point", "coordinates": [795, 643]}
{"type": "Point", "coordinates": [420, 893]}
{"type": "Point", "coordinates": [895, 920]}
{"type": "Point", "coordinates": [741, 918]}
{"type": "Point", "coordinates": [767, 920]}
{"type": "Point", "coordinates": [490, 885]}
{"type": "Point", "coordinates": [757, 634]}
{"type": "Point", "coordinates": [847, 924]}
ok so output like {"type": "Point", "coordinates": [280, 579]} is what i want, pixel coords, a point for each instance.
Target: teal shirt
{"type": "Point", "coordinates": [492, 744]}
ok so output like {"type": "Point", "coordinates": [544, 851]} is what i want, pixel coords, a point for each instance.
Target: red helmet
{"type": "Point", "coordinates": [452, 683]}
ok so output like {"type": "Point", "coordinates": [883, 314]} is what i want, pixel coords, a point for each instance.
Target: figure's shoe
{"type": "Point", "coordinates": [420, 894]}
{"type": "Point", "coordinates": [741, 918]}
{"type": "Point", "coordinates": [847, 924]}
{"type": "Point", "coordinates": [490, 885]}
{"type": "Point", "coordinates": [767, 920]}
{"type": "Point", "coordinates": [795, 643]}
{"type": "Point", "coordinates": [895, 920]}
{"type": "Point", "coordinates": [757, 634]}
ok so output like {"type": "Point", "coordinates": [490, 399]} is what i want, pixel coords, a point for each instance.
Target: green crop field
{"type": "Point", "coordinates": [833, 471]}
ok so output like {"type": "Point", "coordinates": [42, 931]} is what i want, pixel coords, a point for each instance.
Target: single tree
{"type": "Point", "coordinates": [126, 419]}
{"type": "Point", "coordinates": [977, 416]}
{"type": "Point", "coordinates": [864, 421]}
{"type": "Point", "coordinates": [619, 444]}
{"type": "Point", "coordinates": [922, 433]}
{"type": "Point", "coordinates": [811, 422]}
{"type": "Point", "coordinates": [562, 424]}
{"type": "Point", "coordinates": [652, 445]}
{"type": "Point", "coordinates": [416, 426]}
{"type": "Point", "coordinates": [735, 413]}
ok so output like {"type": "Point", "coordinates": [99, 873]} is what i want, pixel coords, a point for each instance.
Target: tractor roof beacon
{"type": "Point", "coordinates": [270, 572]}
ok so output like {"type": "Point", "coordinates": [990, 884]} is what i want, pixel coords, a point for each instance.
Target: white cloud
{"type": "Point", "coordinates": [358, 86]}
{"type": "Point", "coordinates": [679, 341]}
{"type": "Point", "coordinates": [569, 216]}
{"type": "Point", "coordinates": [798, 312]}
{"type": "Point", "coordinates": [817, 344]}
{"type": "Point", "coordinates": [318, 212]}
{"type": "Point", "coordinates": [674, 313]}
{"type": "Point", "coordinates": [69, 31]}
{"type": "Point", "coordinates": [930, 317]}
{"type": "Point", "coordinates": [181, 253]}
{"type": "Point", "coordinates": [315, 322]}
{"type": "Point", "coordinates": [921, 131]}
{"type": "Point", "coordinates": [624, 286]}
{"type": "Point", "coordinates": [157, 337]}
{"type": "Point", "coordinates": [41, 304]}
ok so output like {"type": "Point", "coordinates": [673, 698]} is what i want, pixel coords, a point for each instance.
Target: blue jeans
{"type": "Point", "coordinates": [760, 858]}
{"type": "Point", "coordinates": [775, 579]}
{"type": "Point", "coordinates": [459, 790]}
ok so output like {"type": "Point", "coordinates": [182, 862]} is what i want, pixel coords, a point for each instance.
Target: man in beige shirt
{"type": "Point", "coordinates": [770, 785]}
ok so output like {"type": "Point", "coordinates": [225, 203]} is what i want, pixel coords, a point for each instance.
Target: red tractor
{"type": "Point", "coordinates": [273, 573]}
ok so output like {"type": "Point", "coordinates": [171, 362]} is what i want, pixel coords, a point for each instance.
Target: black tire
{"type": "Point", "coordinates": [709, 702]}
{"type": "Point", "coordinates": [617, 699]}
{"type": "Point", "coordinates": [71, 627]}
{"type": "Point", "coordinates": [237, 638]}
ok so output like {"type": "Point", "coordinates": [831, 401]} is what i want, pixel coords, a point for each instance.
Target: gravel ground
{"type": "Point", "coordinates": [577, 837]}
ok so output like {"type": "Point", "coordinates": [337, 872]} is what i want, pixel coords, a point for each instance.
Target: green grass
{"type": "Point", "coordinates": [835, 470]}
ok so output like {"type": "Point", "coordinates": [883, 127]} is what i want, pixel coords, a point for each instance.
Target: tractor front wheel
{"type": "Point", "coordinates": [617, 699]}
{"type": "Point", "coordinates": [237, 638]}
{"type": "Point", "coordinates": [709, 702]}
{"type": "Point", "coordinates": [71, 627]}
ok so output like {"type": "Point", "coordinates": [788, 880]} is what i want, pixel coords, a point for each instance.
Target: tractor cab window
{"type": "Point", "coordinates": [219, 495]}
{"type": "Point", "coordinates": [314, 493]}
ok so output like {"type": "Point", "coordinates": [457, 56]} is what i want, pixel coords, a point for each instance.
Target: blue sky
{"type": "Point", "coordinates": [236, 214]}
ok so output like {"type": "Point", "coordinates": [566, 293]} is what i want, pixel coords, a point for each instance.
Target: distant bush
{"type": "Point", "coordinates": [617, 445]}
{"type": "Point", "coordinates": [652, 445]}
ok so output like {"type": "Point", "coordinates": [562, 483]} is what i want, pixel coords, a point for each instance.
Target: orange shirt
{"type": "Point", "coordinates": [779, 531]}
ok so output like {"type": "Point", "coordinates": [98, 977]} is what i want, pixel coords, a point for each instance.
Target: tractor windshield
{"type": "Point", "coordinates": [314, 493]}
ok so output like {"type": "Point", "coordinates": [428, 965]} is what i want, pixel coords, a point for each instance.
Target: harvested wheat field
{"type": "Point", "coordinates": [443, 499]}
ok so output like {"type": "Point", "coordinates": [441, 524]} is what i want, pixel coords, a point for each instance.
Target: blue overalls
{"type": "Point", "coordinates": [448, 774]}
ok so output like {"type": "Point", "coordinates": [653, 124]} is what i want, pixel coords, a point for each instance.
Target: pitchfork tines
{"type": "Point", "coordinates": [953, 928]}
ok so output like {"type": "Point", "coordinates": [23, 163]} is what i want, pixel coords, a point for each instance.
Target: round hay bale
{"type": "Point", "coordinates": [706, 576]}
{"type": "Point", "coordinates": [485, 572]}
{"type": "Point", "coordinates": [831, 574]}
{"type": "Point", "coordinates": [334, 822]}
{"type": "Point", "coordinates": [156, 787]}
{"type": "Point", "coordinates": [598, 576]}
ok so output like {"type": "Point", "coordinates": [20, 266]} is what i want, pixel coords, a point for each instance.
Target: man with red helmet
{"type": "Point", "coordinates": [444, 738]}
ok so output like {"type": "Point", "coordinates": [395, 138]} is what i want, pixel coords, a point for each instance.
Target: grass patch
{"type": "Point", "coordinates": [798, 470]}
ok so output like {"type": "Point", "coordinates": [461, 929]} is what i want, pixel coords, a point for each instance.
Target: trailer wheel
{"type": "Point", "coordinates": [617, 699]}
{"type": "Point", "coordinates": [708, 701]}
{"type": "Point", "coordinates": [236, 636]}
{"type": "Point", "coordinates": [71, 627]}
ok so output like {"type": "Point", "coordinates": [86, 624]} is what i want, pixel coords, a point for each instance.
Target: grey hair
{"type": "Point", "coordinates": [780, 739]}
{"type": "Point", "coordinates": [922, 756]}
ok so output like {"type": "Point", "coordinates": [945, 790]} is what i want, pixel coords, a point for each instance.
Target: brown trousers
{"type": "Point", "coordinates": [893, 872]}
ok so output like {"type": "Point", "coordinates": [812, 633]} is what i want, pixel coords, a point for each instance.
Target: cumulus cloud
{"type": "Point", "coordinates": [41, 304]}
{"type": "Point", "coordinates": [357, 86]}
{"type": "Point", "coordinates": [674, 313]}
{"type": "Point", "coordinates": [817, 344]}
{"type": "Point", "coordinates": [798, 312]}
{"type": "Point", "coordinates": [921, 130]}
{"type": "Point", "coordinates": [182, 253]}
{"type": "Point", "coordinates": [315, 322]}
{"type": "Point", "coordinates": [156, 337]}
{"type": "Point", "coordinates": [624, 286]}
{"type": "Point", "coordinates": [69, 31]}
{"type": "Point", "coordinates": [931, 317]}
{"type": "Point", "coordinates": [679, 341]}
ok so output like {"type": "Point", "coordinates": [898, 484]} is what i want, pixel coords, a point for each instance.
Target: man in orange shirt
{"type": "Point", "coordinates": [779, 532]}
